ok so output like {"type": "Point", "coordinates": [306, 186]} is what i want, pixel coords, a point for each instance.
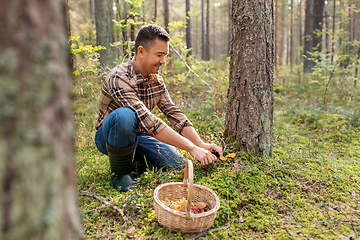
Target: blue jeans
{"type": "Point", "coordinates": [119, 131]}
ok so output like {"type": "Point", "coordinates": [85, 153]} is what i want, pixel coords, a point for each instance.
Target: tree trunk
{"type": "Point", "coordinates": [308, 36]}
{"type": "Point", "coordinates": [350, 29]}
{"type": "Point", "coordinates": [333, 32]}
{"type": "Point", "coordinates": [291, 36]}
{"type": "Point", "coordinates": [327, 38]}
{"type": "Point", "coordinates": [105, 31]}
{"type": "Point", "coordinates": [188, 27]}
{"type": "Point", "coordinates": [38, 197]}
{"type": "Point", "coordinates": [276, 28]}
{"type": "Point", "coordinates": [92, 11]}
{"type": "Point", "coordinates": [155, 10]}
{"type": "Point", "coordinates": [203, 31]}
{"type": "Point", "coordinates": [300, 29]}
{"type": "Point", "coordinates": [166, 15]}
{"type": "Point", "coordinates": [207, 46]}
{"type": "Point", "coordinates": [318, 13]}
{"type": "Point", "coordinates": [249, 118]}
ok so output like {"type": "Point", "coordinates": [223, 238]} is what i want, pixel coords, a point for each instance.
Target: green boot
{"type": "Point", "coordinates": [121, 164]}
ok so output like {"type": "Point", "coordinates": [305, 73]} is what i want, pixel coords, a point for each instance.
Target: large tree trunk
{"type": "Point", "coordinates": [105, 31]}
{"type": "Point", "coordinates": [249, 118]}
{"type": "Point", "coordinates": [308, 35]}
{"type": "Point", "coordinates": [188, 27]}
{"type": "Point", "coordinates": [38, 198]}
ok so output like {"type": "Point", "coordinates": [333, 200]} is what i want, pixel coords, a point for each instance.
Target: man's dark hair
{"type": "Point", "coordinates": [147, 35]}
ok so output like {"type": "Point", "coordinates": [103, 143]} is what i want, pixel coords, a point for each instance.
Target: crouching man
{"type": "Point", "coordinates": [127, 131]}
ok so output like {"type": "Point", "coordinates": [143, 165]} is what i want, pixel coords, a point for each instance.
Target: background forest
{"type": "Point", "coordinates": [308, 189]}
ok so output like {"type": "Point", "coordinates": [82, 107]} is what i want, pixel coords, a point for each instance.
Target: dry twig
{"type": "Point", "coordinates": [107, 204]}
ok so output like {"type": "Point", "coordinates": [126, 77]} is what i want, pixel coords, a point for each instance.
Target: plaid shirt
{"type": "Point", "coordinates": [124, 86]}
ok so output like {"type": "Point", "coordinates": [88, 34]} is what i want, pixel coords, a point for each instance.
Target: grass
{"type": "Point", "coordinates": [308, 190]}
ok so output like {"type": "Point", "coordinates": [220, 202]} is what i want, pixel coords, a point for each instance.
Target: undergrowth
{"type": "Point", "coordinates": [308, 190]}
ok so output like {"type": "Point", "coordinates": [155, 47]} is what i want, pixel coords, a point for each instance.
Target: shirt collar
{"type": "Point", "coordinates": [150, 78]}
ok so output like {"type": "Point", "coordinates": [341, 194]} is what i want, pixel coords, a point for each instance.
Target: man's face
{"type": "Point", "coordinates": [151, 60]}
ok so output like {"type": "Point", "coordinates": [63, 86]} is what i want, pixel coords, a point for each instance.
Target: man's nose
{"type": "Point", "coordinates": [162, 60]}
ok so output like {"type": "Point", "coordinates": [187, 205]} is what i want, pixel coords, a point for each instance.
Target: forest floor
{"type": "Point", "coordinates": [309, 189]}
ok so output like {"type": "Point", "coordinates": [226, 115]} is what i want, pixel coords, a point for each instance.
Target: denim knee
{"type": "Point", "coordinates": [124, 119]}
{"type": "Point", "coordinates": [118, 129]}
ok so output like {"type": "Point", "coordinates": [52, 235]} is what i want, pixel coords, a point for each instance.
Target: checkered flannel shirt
{"type": "Point", "coordinates": [125, 87]}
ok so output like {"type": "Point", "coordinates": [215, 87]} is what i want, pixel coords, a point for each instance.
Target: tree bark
{"type": "Point", "coordinates": [308, 36]}
{"type": "Point", "coordinates": [166, 15]}
{"type": "Point", "coordinates": [38, 198]}
{"type": "Point", "coordinates": [207, 46]}
{"type": "Point", "coordinates": [203, 31]}
{"type": "Point", "coordinates": [188, 27]}
{"type": "Point", "coordinates": [249, 118]}
{"type": "Point", "coordinates": [105, 31]}
{"type": "Point", "coordinates": [291, 36]}
{"type": "Point", "coordinates": [155, 10]}
{"type": "Point", "coordinates": [318, 14]}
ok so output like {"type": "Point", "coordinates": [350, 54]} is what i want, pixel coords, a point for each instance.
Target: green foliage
{"type": "Point", "coordinates": [308, 190]}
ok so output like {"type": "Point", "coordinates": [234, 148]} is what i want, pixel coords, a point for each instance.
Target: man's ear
{"type": "Point", "coordinates": [140, 51]}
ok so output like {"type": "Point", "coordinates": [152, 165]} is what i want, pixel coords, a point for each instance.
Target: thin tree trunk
{"type": "Point", "coordinates": [327, 37]}
{"type": "Point", "coordinates": [92, 11]}
{"type": "Point", "coordinates": [166, 15]}
{"type": "Point", "coordinates": [275, 30]}
{"type": "Point", "coordinates": [333, 32]}
{"type": "Point", "coordinates": [291, 34]}
{"type": "Point", "coordinates": [249, 118]}
{"type": "Point", "coordinates": [308, 36]}
{"type": "Point", "coordinates": [105, 31]}
{"type": "Point", "coordinates": [214, 33]}
{"type": "Point", "coordinates": [203, 31]}
{"type": "Point", "coordinates": [188, 27]}
{"type": "Point", "coordinates": [350, 29]}
{"type": "Point", "coordinates": [38, 197]}
{"type": "Point", "coordinates": [207, 47]}
{"type": "Point", "coordinates": [155, 10]}
{"type": "Point", "coordinates": [300, 28]}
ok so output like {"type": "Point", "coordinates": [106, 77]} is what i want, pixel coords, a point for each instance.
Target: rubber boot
{"type": "Point", "coordinates": [121, 165]}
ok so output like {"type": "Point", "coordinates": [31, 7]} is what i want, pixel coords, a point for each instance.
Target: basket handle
{"type": "Point", "coordinates": [189, 181]}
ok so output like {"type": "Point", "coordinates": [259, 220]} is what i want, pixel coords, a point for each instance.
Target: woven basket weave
{"type": "Point", "coordinates": [185, 221]}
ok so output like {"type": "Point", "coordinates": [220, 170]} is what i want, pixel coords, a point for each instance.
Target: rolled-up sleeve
{"type": "Point", "coordinates": [176, 117]}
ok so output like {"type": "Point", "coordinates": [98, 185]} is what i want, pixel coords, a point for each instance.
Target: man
{"type": "Point", "coordinates": [127, 131]}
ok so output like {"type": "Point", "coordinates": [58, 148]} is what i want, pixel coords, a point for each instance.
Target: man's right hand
{"type": "Point", "coordinates": [204, 156]}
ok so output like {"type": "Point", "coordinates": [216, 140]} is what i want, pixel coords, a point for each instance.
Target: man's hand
{"type": "Point", "coordinates": [203, 154]}
{"type": "Point", "coordinates": [212, 147]}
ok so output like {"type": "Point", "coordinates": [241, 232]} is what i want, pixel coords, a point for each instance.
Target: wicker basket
{"type": "Point", "coordinates": [185, 221]}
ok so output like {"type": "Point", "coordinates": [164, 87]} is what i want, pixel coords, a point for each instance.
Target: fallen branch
{"type": "Point", "coordinates": [205, 233]}
{"type": "Point", "coordinates": [107, 204]}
